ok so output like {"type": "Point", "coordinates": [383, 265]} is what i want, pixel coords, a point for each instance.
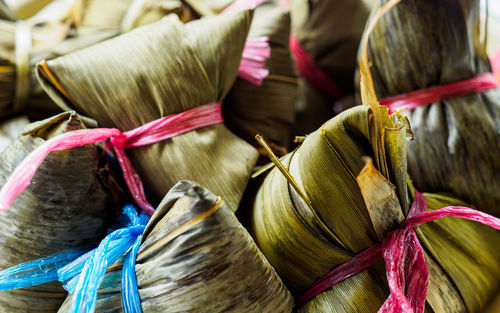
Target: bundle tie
{"type": "Point", "coordinates": [22, 49]}
{"type": "Point", "coordinates": [423, 97]}
{"type": "Point", "coordinates": [82, 270]}
{"type": "Point", "coordinates": [158, 130]}
{"type": "Point", "coordinates": [313, 74]}
{"type": "Point", "coordinates": [398, 246]}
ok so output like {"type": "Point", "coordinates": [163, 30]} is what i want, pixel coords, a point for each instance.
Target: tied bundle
{"type": "Point", "coordinates": [193, 255]}
{"type": "Point", "coordinates": [267, 108]}
{"type": "Point", "coordinates": [324, 41]}
{"type": "Point", "coordinates": [125, 86]}
{"type": "Point", "coordinates": [429, 57]}
{"type": "Point", "coordinates": [69, 204]}
{"type": "Point", "coordinates": [314, 213]}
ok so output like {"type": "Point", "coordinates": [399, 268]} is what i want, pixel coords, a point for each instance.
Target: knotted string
{"type": "Point", "coordinates": [314, 75]}
{"type": "Point", "coordinates": [398, 246]}
{"type": "Point", "coordinates": [149, 133]}
{"type": "Point", "coordinates": [423, 97]}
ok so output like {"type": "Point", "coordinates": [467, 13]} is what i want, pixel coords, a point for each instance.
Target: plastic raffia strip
{"type": "Point", "coordinates": [149, 133]}
{"type": "Point", "coordinates": [314, 75]}
{"type": "Point", "coordinates": [256, 51]}
{"type": "Point", "coordinates": [423, 97]}
{"type": "Point", "coordinates": [37, 272]}
{"type": "Point", "coordinates": [397, 246]}
{"type": "Point", "coordinates": [83, 277]}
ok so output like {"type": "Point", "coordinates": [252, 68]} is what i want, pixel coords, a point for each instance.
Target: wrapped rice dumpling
{"type": "Point", "coordinates": [327, 33]}
{"type": "Point", "coordinates": [69, 204]}
{"type": "Point", "coordinates": [158, 70]}
{"type": "Point", "coordinates": [420, 44]}
{"type": "Point", "coordinates": [196, 257]}
{"type": "Point", "coordinates": [330, 206]}
{"type": "Point", "coordinates": [305, 237]}
{"type": "Point", "coordinates": [267, 109]}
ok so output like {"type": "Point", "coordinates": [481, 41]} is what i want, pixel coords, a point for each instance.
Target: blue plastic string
{"type": "Point", "coordinates": [38, 271]}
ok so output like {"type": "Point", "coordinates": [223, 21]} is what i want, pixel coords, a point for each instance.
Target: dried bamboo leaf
{"type": "Point", "coordinates": [68, 204]}
{"type": "Point", "coordinates": [458, 140]}
{"type": "Point", "coordinates": [191, 71]}
{"type": "Point", "coordinates": [196, 257]}
{"type": "Point", "coordinates": [10, 130]}
{"type": "Point", "coordinates": [267, 109]}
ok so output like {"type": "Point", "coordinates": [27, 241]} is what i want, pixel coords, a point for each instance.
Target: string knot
{"type": "Point", "coordinates": [119, 141]}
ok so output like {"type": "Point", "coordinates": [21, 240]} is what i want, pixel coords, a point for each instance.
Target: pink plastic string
{"type": "Point", "coordinates": [256, 51]}
{"type": "Point", "coordinates": [423, 97]}
{"type": "Point", "coordinates": [152, 132]}
{"type": "Point", "coordinates": [253, 67]}
{"type": "Point", "coordinates": [314, 75]}
{"type": "Point", "coordinates": [398, 246]}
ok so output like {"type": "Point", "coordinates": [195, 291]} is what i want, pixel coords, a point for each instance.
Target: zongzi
{"type": "Point", "coordinates": [426, 44]}
{"type": "Point", "coordinates": [69, 203]}
{"type": "Point", "coordinates": [192, 71]}
{"type": "Point", "coordinates": [196, 257]}
{"type": "Point", "coordinates": [321, 214]}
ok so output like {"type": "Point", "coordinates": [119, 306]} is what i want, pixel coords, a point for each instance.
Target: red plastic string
{"type": "Point", "coordinates": [398, 246]}
{"type": "Point", "coordinates": [422, 97]}
{"type": "Point", "coordinates": [495, 65]}
{"type": "Point", "coordinates": [256, 51]}
{"type": "Point", "coordinates": [152, 132]}
{"type": "Point", "coordinates": [312, 72]}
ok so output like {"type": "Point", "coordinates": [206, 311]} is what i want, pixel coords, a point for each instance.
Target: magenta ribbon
{"type": "Point", "coordinates": [423, 97]}
{"type": "Point", "coordinates": [152, 132]}
{"type": "Point", "coordinates": [314, 75]}
{"type": "Point", "coordinates": [408, 290]}
{"type": "Point", "coordinates": [256, 51]}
